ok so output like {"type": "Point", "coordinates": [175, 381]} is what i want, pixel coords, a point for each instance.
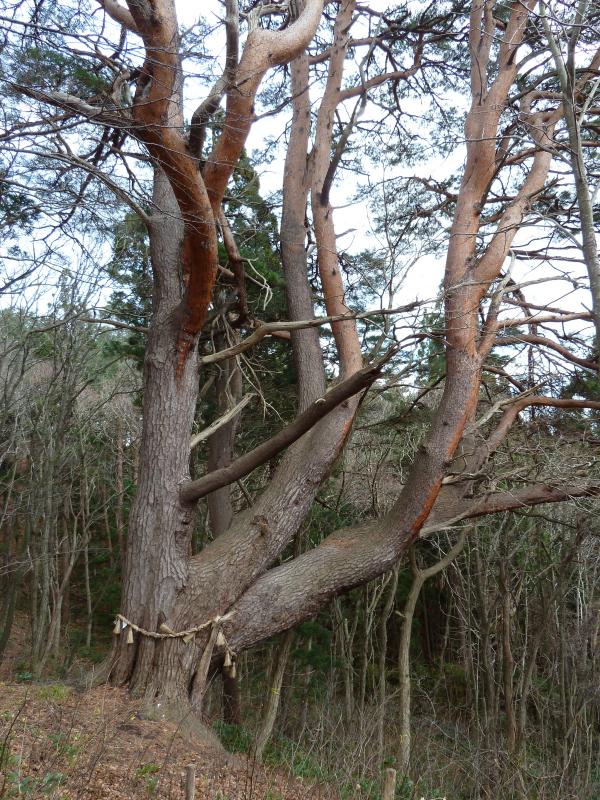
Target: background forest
{"type": "Point", "coordinates": [217, 403]}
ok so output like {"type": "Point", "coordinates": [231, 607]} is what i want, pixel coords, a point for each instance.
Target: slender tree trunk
{"type": "Point", "coordinates": [485, 647]}
{"type": "Point", "coordinates": [385, 615]}
{"type": "Point", "coordinates": [408, 613]}
{"type": "Point", "coordinates": [274, 692]}
{"type": "Point", "coordinates": [345, 642]}
{"type": "Point", "coordinates": [508, 663]}
{"type": "Point", "coordinates": [228, 386]}
{"type": "Point", "coordinates": [570, 89]}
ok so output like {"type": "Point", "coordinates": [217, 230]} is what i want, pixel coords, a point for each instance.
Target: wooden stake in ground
{"type": "Point", "coordinates": [389, 784]}
{"type": "Point", "coordinates": [190, 782]}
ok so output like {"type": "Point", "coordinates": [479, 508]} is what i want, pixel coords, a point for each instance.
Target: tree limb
{"type": "Point", "coordinates": [296, 590]}
{"type": "Point", "coordinates": [278, 328]}
{"type": "Point", "coordinates": [119, 13]}
{"type": "Point", "coordinates": [194, 490]}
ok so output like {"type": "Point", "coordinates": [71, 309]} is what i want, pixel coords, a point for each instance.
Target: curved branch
{"type": "Point", "coordinates": [119, 13]}
{"type": "Point", "coordinates": [263, 49]}
{"type": "Point", "coordinates": [208, 107]}
{"type": "Point", "coordinates": [281, 328]}
{"type": "Point", "coordinates": [529, 338]}
{"type": "Point", "coordinates": [512, 409]}
{"type": "Point", "coordinates": [497, 502]}
{"type": "Point", "coordinates": [291, 593]}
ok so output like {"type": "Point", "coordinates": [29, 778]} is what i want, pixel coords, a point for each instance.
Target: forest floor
{"type": "Point", "coordinates": [61, 743]}
{"type": "Point", "coordinates": [58, 742]}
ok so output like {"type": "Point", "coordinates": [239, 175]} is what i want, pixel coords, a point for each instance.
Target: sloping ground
{"type": "Point", "coordinates": [58, 743]}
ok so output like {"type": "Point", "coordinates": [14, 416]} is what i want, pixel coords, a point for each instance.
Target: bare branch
{"type": "Point", "coordinates": [278, 328]}
{"type": "Point", "coordinates": [218, 423]}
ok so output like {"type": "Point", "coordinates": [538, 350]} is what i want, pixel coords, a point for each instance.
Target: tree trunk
{"type": "Point", "coordinates": [159, 524]}
{"type": "Point", "coordinates": [162, 584]}
{"type": "Point", "coordinates": [508, 663]}
{"type": "Point", "coordinates": [408, 612]}
{"type": "Point", "coordinates": [385, 615]}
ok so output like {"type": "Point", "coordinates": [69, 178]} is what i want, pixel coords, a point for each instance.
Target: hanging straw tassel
{"type": "Point", "coordinates": [227, 661]}
{"type": "Point", "coordinates": [189, 637]}
{"type": "Point", "coordinates": [164, 628]}
{"type": "Point", "coordinates": [130, 636]}
{"type": "Point", "coordinates": [221, 640]}
{"type": "Point", "coordinates": [232, 670]}
{"type": "Point", "coordinates": [117, 628]}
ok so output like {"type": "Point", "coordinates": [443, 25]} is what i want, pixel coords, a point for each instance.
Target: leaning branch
{"type": "Point", "coordinates": [194, 490]}
{"type": "Point", "coordinates": [119, 13]}
{"type": "Point", "coordinates": [70, 102]}
{"type": "Point", "coordinates": [350, 557]}
{"type": "Point", "coordinates": [80, 163]}
{"type": "Point", "coordinates": [496, 502]}
{"type": "Point", "coordinates": [542, 341]}
{"type": "Point", "coordinates": [115, 323]}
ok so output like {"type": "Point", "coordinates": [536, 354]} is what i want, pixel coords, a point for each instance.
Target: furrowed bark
{"type": "Point", "coordinates": [231, 572]}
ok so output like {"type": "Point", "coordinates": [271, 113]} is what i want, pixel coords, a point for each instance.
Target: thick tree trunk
{"type": "Point", "coordinates": [158, 544]}
{"type": "Point", "coordinates": [228, 388]}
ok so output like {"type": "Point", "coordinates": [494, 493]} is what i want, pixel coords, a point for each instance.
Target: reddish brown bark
{"type": "Point", "coordinates": [199, 195]}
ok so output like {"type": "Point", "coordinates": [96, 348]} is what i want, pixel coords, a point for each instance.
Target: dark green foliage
{"type": "Point", "coordinates": [48, 69]}
{"type": "Point", "coordinates": [430, 354]}
{"type": "Point", "coordinates": [131, 300]}
{"type": "Point", "coordinates": [234, 738]}
{"type": "Point", "coordinates": [582, 384]}
{"type": "Point", "coordinates": [17, 210]}
{"type": "Point", "coordinates": [313, 647]}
